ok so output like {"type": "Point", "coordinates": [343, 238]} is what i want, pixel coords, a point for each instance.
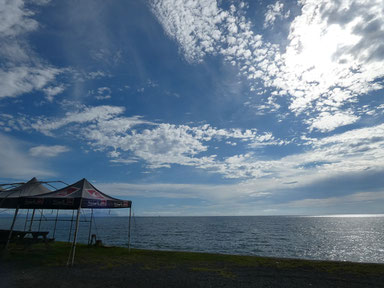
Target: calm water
{"type": "Point", "coordinates": [358, 239]}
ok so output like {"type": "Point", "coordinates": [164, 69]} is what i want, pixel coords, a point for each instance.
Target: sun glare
{"type": "Point", "coordinates": [349, 215]}
{"type": "Point", "coordinates": [318, 52]}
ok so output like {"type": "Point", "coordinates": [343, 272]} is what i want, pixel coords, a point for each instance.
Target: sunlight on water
{"type": "Point", "coordinates": [347, 215]}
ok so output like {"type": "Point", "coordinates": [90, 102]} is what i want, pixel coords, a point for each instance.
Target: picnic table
{"type": "Point", "coordinates": [21, 235]}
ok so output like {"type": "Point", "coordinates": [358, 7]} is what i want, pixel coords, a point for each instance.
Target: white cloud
{"type": "Point", "coordinates": [82, 76]}
{"type": "Point", "coordinates": [167, 144]}
{"type": "Point", "coordinates": [96, 75]}
{"type": "Point", "coordinates": [15, 19]}
{"type": "Point", "coordinates": [22, 71]}
{"type": "Point", "coordinates": [15, 51]}
{"type": "Point", "coordinates": [158, 144]}
{"type": "Point", "coordinates": [19, 80]}
{"type": "Point", "coordinates": [164, 145]}
{"type": "Point", "coordinates": [327, 122]}
{"type": "Point", "coordinates": [47, 151]}
{"type": "Point", "coordinates": [274, 11]}
{"type": "Point", "coordinates": [319, 69]}
{"type": "Point", "coordinates": [193, 24]}
{"type": "Point", "coordinates": [103, 97]}
{"type": "Point", "coordinates": [102, 90]}
{"type": "Point", "coordinates": [52, 91]}
{"type": "Point", "coordinates": [16, 164]}
{"type": "Point", "coordinates": [123, 161]}
{"type": "Point", "coordinates": [92, 114]}
{"type": "Point", "coordinates": [102, 93]}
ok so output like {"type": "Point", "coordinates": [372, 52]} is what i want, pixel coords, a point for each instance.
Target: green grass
{"type": "Point", "coordinates": [108, 257]}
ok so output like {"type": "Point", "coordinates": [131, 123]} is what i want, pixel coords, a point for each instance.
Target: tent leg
{"type": "Point", "coordinates": [71, 259]}
{"type": "Point", "coordinates": [70, 229]}
{"type": "Point", "coordinates": [129, 229]}
{"type": "Point", "coordinates": [26, 220]}
{"type": "Point", "coordinates": [90, 227]}
{"type": "Point", "coordinates": [41, 217]}
{"type": "Point", "coordinates": [33, 216]}
{"type": "Point", "coordinates": [11, 230]}
{"type": "Point", "coordinates": [54, 229]}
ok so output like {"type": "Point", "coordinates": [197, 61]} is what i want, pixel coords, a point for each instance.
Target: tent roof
{"type": "Point", "coordinates": [9, 198]}
{"type": "Point", "coordinates": [31, 188]}
{"type": "Point", "coordinates": [80, 194]}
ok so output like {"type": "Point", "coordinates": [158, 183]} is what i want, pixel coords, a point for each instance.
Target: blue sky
{"type": "Point", "coordinates": [198, 107]}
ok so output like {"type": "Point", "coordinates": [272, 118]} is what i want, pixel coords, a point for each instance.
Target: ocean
{"type": "Point", "coordinates": [342, 238]}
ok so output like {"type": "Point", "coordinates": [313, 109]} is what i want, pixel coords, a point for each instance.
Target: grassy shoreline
{"type": "Point", "coordinates": [171, 269]}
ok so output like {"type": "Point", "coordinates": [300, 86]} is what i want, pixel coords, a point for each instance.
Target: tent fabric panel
{"type": "Point", "coordinates": [81, 189]}
{"type": "Point", "coordinates": [94, 193]}
{"type": "Point", "coordinates": [70, 191]}
{"type": "Point", "coordinates": [34, 188]}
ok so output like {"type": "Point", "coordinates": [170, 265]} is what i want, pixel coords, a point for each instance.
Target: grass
{"type": "Point", "coordinates": [108, 257]}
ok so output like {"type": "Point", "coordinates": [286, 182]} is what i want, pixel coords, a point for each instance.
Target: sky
{"type": "Point", "coordinates": [198, 107]}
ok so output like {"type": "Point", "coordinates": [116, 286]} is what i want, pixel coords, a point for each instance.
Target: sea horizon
{"type": "Point", "coordinates": [10, 215]}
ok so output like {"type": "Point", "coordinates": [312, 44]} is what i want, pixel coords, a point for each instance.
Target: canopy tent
{"type": "Point", "coordinates": [81, 194]}
{"type": "Point", "coordinates": [11, 198]}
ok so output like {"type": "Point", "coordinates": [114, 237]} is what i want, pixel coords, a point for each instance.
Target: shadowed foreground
{"type": "Point", "coordinates": [117, 267]}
